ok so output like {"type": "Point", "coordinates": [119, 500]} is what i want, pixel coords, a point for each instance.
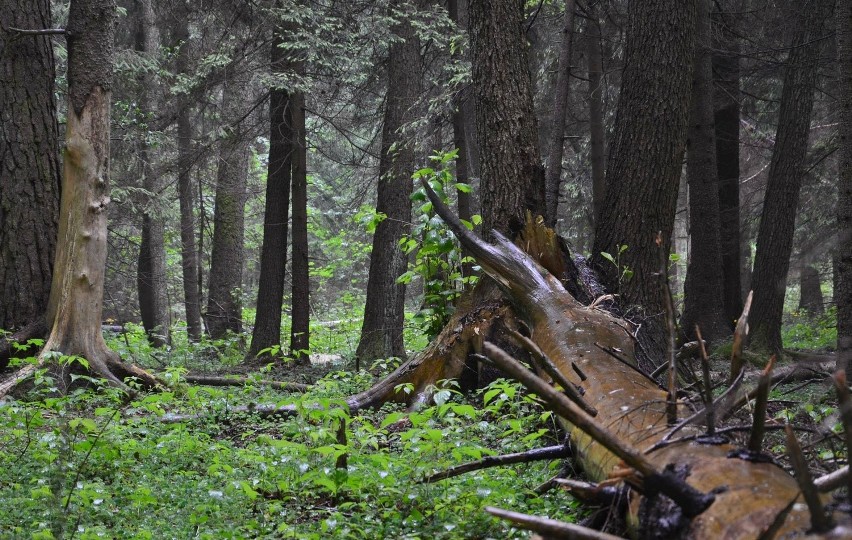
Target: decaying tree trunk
{"type": "Point", "coordinates": [683, 485]}
{"type": "Point", "coordinates": [76, 298]}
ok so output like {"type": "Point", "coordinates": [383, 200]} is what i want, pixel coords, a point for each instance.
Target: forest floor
{"type": "Point", "coordinates": [89, 464]}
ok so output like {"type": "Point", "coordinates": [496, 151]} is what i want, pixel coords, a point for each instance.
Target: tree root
{"type": "Point", "coordinates": [242, 381]}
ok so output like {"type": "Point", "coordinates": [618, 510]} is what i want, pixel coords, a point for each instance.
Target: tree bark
{"type": "Point", "coordinates": [188, 254]}
{"type": "Point", "coordinates": [151, 268]}
{"type": "Point", "coordinates": [273, 256]}
{"type": "Point", "coordinates": [703, 300]}
{"type": "Point", "coordinates": [810, 297]}
{"type": "Point", "coordinates": [381, 333]}
{"type": "Point", "coordinates": [645, 159]}
{"type": "Point", "coordinates": [224, 305]}
{"type": "Point", "coordinates": [512, 174]}
{"type": "Point", "coordinates": [553, 174]}
{"type": "Point", "coordinates": [29, 164]}
{"type": "Point", "coordinates": [843, 255]}
{"type": "Point", "coordinates": [76, 298]}
{"type": "Point", "coordinates": [726, 80]}
{"type": "Point", "coordinates": [786, 172]}
{"type": "Point", "coordinates": [597, 139]}
{"type": "Point", "coordinates": [300, 328]}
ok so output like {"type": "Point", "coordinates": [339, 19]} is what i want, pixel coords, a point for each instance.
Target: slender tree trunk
{"type": "Point", "coordinates": [786, 172]}
{"type": "Point", "coordinates": [273, 256]}
{"type": "Point", "coordinates": [726, 80]}
{"type": "Point", "coordinates": [645, 159]}
{"type": "Point", "coordinates": [188, 253]}
{"type": "Point", "coordinates": [224, 305]}
{"type": "Point", "coordinates": [29, 164]}
{"type": "Point", "coordinates": [843, 255]}
{"type": "Point", "coordinates": [461, 143]}
{"type": "Point", "coordinates": [512, 174]}
{"type": "Point", "coordinates": [597, 140]}
{"type": "Point", "coordinates": [300, 329]}
{"type": "Point", "coordinates": [553, 174]}
{"type": "Point", "coordinates": [381, 334]}
{"type": "Point", "coordinates": [703, 300]}
{"type": "Point", "coordinates": [151, 270]}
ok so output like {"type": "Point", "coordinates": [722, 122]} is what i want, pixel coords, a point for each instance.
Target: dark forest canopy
{"type": "Point", "coordinates": [245, 197]}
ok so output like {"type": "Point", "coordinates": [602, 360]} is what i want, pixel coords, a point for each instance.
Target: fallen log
{"type": "Point", "coordinates": [751, 498]}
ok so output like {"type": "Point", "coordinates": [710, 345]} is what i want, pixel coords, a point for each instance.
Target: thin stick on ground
{"type": "Point", "coordinates": [755, 441]}
{"type": "Point", "coordinates": [561, 451]}
{"type": "Point", "coordinates": [205, 380]}
{"type": "Point", "coordinates": [549, 528]}
{"type": "Point", "coordinates": [833, 480]}
{"type": "Point", "coordinates": [820, 520]}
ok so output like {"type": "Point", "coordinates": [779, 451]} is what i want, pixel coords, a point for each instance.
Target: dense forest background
{"type": "Point", "coordinates": [255, 185]}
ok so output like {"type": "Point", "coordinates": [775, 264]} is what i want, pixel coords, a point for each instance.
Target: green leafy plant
{"type": "Point", "coordinates": [438, 258]}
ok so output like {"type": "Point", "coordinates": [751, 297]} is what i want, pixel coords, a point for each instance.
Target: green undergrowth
{"type": "Point", "coordinates": [87, 465]}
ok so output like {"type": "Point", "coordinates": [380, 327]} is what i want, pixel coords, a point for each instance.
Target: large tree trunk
{"type": "Point", "coordinates": [76, 297]}
{"type": "Point", "coordinates": [151, 269]}
{"type": "Point", "coordinates": [682, 486]}
{"type": "Point", "coordinates": [29, 164]}
{"type": "Point", "coordinates": [786, 172]}
{"type": "Point", "coordinates": [726, 80]}
{"type": "Point", "coordinates": [273, 256]}
{"type": "Point", "coordinates": [381, 333]}
{"type": "Point", "coordinates": [188, 254]}
{"type": "Point", "coordinates": [645, 160]}
{"type": "Point", "coordinates": [553, 175]}
{"type": "Point", "coordinates": [703, 300]}
{"type": "Point", "coordinates": [512, 174]}
{"type": "Point", "coordinates": [224, 305]}
{"type": "Point", "coordinates": [810, 297]}
{"type": "Point", "coordinates": [843, 255]}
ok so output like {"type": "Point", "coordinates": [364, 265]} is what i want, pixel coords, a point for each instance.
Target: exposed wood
{"type": "Point", "coordinates": [820, 521]}
{"type": "Point", "coordinates": [740, 334]}
{"type": "Point", "coordinates": [755, 441]}
{"type": "Point", "coordinates": [833, 480]}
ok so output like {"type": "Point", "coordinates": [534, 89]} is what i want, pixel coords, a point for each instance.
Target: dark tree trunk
{"type": "Point", "coordinates": [29, 164]}
{"type": "Point", "coordinates": [553, 175]}
{"type": "Point", "coordinates": [461, 143]}
{"type": "Point", "coordinates": [151, 270]}
{"type": "Point", "coordinates": [786, 172]}
{"type": "Point", "coordinates": [273, 256]}
{"type": "Point", "coordinates": [843, 255]}
{"type": "Point", "coordinates": [381, 334]}
{"type": "Point", "coordinates": [188, 253]}
{"type": "Point", "coordinates": [645, 158]}
{"type": "Point", "coordinates": [597, 139]}
{"type": "Point", "coordinates": [810, 297]}
{"type": "Point", "coordinates": [703, 299]}
{"type": "Point", "coordinates": [726, 79]}
{"type": "Point", "coordinates": [224, 304]}
{"type": "Point", "coordinates": [512, 174]}
{"type": "Point", "coordinates": [300, 328]}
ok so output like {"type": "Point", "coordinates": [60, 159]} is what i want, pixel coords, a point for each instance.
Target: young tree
{"type": "Point", "coordinates": [786, 172]}
{"type": "Point", "coordinates": [300, 327]}
{"type": "Point", "coordinates": [510, 161]}
{"type": "Point", "coordinates": [703, 301]}
{"type": "Point", "coordinates": [29, 164]}
{"type": "Point", "coordinates": [553, 175]}
{"type": "Point", "coordinates": [645, 159]}
{"type": "Point", "coordinates": [381, 333]}
{"type": "Point", "coordinates": [597, 139]}
{"type": "Point", "coordinates": [188, 252]}
{"type": "Point", "coordinates": [151, 275]}
{"type": "Point", "coordinates": [273, 256]}
{"type": "Point", "coordinates": [843, 255]}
